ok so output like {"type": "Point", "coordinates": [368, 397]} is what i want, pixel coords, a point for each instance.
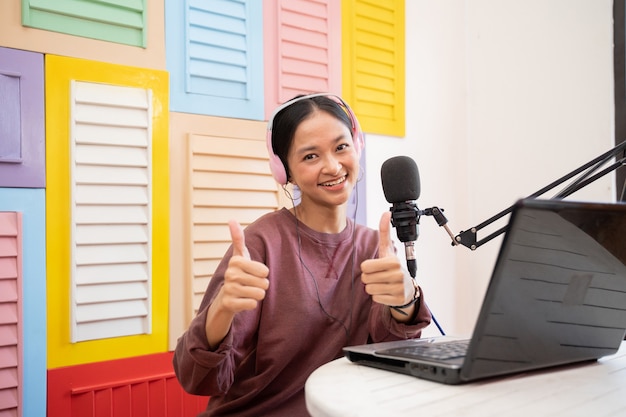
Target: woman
{"type": "Point", "coordinates": [300, 283]}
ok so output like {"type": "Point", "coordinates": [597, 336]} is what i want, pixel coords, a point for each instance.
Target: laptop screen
{"type": "Point", "coordinates": [558, 291]}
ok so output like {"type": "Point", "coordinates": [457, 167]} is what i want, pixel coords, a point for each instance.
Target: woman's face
{"type": "Point", "coordinates": [323, 161]}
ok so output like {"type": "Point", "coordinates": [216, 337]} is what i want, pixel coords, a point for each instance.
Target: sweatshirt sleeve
{"type": "Point", "coordinates": [384, 328]}
{"type": "Point", "coordinates": [199, 370]}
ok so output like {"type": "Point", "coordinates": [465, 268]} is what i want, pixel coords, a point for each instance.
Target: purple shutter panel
{"type": "Point", "coordinates": [22, 137]}
{"type": "Point", "coordinates": [10, 125]}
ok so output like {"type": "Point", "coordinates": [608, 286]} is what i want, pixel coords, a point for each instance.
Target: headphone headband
{"type": "Point", "coordinates": [276, 165]}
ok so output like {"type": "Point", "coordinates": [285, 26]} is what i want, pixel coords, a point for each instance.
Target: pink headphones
{"type": "Point", "coordinates": [276, 165]}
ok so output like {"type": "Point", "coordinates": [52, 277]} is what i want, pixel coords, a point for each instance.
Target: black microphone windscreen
{"type": "Point", "coordinates": [401, 179]}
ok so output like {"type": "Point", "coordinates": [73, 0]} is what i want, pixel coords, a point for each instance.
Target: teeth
{"type": "Point", "coordinates": [330, 184]}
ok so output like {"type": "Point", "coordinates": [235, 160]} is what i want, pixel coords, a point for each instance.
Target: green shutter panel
{"type": "Point", "coordinates": [119, 21]}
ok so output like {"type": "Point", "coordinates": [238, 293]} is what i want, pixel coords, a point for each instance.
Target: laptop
{"type": "Point", "coordinates": [557, 296]}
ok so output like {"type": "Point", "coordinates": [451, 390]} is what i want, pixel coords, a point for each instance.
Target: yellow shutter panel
{"type": "Point", "coordinates": [373, 63]}
{"type": "Point", "coordinates": [107, 211]}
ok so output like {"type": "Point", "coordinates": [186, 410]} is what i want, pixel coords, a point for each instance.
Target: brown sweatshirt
{"type": "Point", "coordinates": [315, 305]}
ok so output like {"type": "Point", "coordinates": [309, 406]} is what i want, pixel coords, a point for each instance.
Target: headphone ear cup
{"type": "Point", "coordinates": [276, 165]}
{"type": "Point", "coordinates": [357, 135]}
{"type": "Point", "coordinates": [359, 142]}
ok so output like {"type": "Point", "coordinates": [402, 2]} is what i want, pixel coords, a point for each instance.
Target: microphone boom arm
{"type": "Point", "coordinates": [468, 238]}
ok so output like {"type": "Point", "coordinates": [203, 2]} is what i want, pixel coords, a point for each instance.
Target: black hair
{"type": "Point", "coordinates": [288, 119]}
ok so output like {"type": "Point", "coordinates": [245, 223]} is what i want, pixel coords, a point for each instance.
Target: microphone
{"type": "Point", "coordinates": [401, 185]}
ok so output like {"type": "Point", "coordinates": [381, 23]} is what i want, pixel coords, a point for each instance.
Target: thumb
{"type": "Point", "coordinates": [384, 235]}
{"type": "Point", "coordinates": [239, 241]}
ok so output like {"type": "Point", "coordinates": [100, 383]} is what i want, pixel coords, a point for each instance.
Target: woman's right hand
{"type": "Point", "coordinates": [245, 284]}
{"type": "Point", "coordinates": [245, 280]}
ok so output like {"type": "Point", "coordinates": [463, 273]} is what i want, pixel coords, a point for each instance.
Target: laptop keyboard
{"type": "Point", "coordinates": [438, 351]}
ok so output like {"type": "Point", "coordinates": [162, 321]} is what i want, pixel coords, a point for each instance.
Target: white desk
{"type": "Point", "coordinates": [344, 389]}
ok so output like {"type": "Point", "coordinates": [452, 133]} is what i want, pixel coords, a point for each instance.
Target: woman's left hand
{"type": "Point", "coordinates": [384, 277]}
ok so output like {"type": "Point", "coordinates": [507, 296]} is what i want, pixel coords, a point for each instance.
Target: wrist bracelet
{"type": "Point", "coordinates": [416, 296]}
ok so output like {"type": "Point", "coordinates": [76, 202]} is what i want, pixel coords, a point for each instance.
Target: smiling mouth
{"type": "Point", "coordinates": [335, 182]}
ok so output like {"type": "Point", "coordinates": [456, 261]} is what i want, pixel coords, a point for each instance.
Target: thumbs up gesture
{"type": "Point", "coordinates": [245, 284]}
{"type": "Point", "coordinates": [384, 277]}
{"type": "Point", "coordinates": [245, 280]}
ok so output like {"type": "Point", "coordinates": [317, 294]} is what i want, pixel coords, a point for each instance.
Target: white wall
{"type": "Point", "coordinates": [503, 97]}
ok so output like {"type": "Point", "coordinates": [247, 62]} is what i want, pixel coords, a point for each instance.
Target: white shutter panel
{"type": "Point", "coordinates": [111, 211]}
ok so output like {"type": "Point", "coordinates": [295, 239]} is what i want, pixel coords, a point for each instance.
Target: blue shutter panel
{"type": "Point", "coordinates": [217, 57]}
{"type": "Point", "coordinates": [214, 55]}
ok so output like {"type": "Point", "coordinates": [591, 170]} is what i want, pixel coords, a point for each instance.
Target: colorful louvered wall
{"type": "Point", "coordinates": [127, 141]}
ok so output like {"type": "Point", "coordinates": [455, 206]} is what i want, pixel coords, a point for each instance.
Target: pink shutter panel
{"type": "Point", "coordinates": [302, 45]}
{"type": "Point", "coordinates": [10, 314]}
